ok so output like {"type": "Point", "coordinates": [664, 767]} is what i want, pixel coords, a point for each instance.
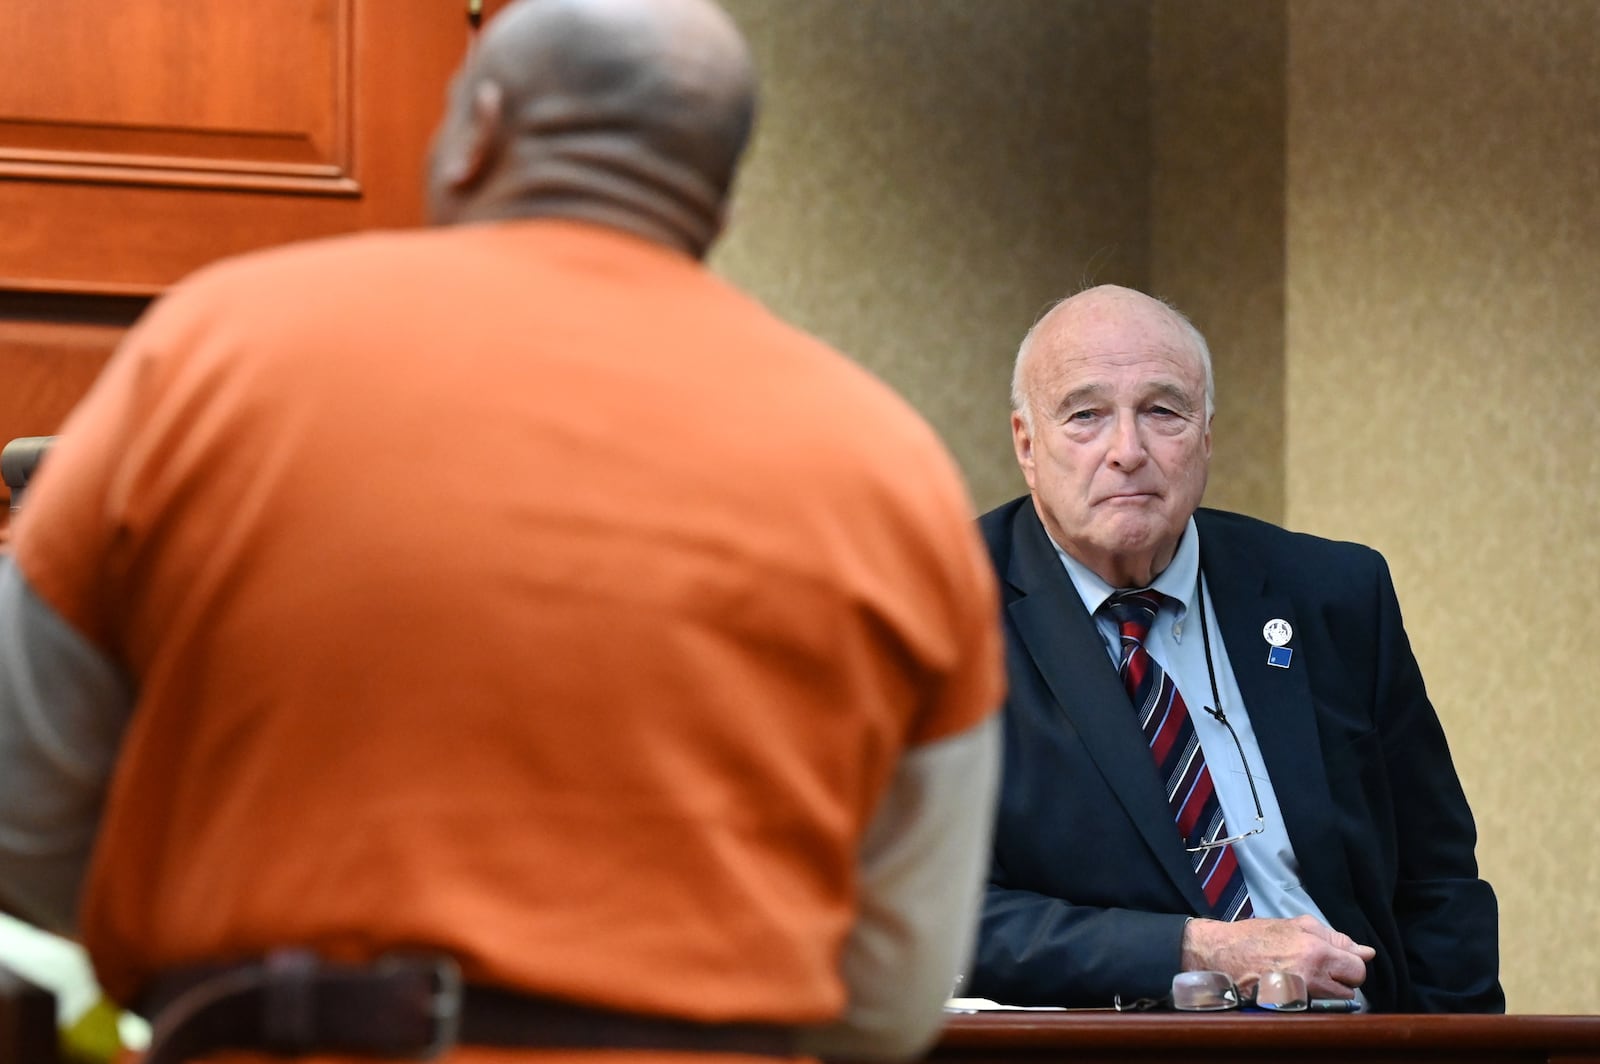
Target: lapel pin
{"type": "Point", "coordinates": [1278, 633]}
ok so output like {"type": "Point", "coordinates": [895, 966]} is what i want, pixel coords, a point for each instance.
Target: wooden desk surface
{"type": "Point", "coordinates": [1125, 1038]}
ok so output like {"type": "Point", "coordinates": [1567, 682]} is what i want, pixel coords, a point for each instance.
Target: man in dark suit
{"type": "Point", "coordinates": [1337, 843]}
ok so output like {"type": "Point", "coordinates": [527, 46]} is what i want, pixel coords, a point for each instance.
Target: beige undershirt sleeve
{"type": "Point", "coordinates": [63, 708]}
{"type": "Point", "coordinates": [923, 864]}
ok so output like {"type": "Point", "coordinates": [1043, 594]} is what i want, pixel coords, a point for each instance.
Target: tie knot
{"type": "Point", "coordinates": [1134, 611]}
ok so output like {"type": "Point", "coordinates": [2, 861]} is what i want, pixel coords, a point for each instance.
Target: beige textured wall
{"type": "Point", "coordinates": [928, 175]}
{"type": "Point", "coordinates": [1386, 216]}
{"type": "Point", "coordinates": [1443, 369]}
{"type": "Point", "coordinates": [1218, 125]}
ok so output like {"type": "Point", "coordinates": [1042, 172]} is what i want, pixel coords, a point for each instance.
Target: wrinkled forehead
{"type": "Point", "coordinates": [1123, 347]}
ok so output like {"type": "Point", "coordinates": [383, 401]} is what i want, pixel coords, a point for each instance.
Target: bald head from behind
{"type": "Point", "coordinates": [626, 113]}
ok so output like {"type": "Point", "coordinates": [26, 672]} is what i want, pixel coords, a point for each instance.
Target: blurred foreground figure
{"type": "Point", "coordinates": [516, 595]}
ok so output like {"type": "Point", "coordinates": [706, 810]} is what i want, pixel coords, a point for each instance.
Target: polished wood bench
{"type": "Point", "coordinates": [1095, 1037]}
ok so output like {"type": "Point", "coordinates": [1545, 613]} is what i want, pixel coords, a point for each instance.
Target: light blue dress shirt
{"type": "Point", "coordinates": [1177, 642]}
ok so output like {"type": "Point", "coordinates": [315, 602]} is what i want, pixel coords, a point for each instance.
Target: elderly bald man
{"type": "Point", "coordinates": [509, 603]}
{"type": "Point", "coordinates": [1220, 754]}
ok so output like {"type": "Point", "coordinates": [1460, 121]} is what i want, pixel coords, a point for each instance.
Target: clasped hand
{"type": "Point", "coordinates": [1331, 962]}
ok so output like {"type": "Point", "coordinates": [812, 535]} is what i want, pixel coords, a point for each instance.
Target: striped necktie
{"type": "Point", "coordinates": [1177, 754]}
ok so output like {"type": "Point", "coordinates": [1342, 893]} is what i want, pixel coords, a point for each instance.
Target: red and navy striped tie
{"type": "Point", "coordinates": [1178, 757]}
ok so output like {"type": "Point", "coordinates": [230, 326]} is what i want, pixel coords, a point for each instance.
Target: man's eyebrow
{"type": "Point", "coordinates": [1088, 393]}
{"type": "Point", "coordinates": [1175, 393]}
{"type": "Point", "coordinates": [1171, 392]}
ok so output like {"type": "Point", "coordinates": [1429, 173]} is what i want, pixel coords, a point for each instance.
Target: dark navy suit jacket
{"type": "Point", "coordinates": [1090, 885]}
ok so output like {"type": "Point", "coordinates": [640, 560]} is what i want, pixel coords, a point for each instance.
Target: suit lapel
{"type": "Point", "coordinates": [1061, 638]}
{"type": "Point", "coordinates": [1279, 700]}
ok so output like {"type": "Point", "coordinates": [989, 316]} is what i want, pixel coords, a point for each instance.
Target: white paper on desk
{"type": "Point", "coordinates": [985, 1005]}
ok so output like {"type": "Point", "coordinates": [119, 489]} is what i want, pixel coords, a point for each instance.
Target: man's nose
{"type": "Point", "coordinates": [1127, 449]}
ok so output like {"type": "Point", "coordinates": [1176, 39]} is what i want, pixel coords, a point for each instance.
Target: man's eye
{"type": "Point", "coordinates": [1081, 415]}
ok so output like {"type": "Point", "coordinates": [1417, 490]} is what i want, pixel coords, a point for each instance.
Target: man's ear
{"type": "Point", "coordinates": [1022, 442]}
{"type": "Point", "coordinates": [473, 152]}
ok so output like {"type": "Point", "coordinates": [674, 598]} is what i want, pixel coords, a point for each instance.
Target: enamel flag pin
{"type": "Point", "coordinates": [1277, 634]}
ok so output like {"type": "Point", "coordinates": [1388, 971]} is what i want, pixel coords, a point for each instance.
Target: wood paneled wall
{"type": "Point", "coordinates": [141, 139]}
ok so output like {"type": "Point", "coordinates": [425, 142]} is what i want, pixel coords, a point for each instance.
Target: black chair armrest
{"type": "Point", "coordinates": [19, 460]}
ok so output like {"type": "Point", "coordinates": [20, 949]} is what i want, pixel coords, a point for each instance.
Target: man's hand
{"type": "Point", "coordinates": [1332, 963]}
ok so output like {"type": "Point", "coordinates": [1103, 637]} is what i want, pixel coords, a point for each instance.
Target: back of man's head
{"type": "Point", "coordinates": [629, 113]}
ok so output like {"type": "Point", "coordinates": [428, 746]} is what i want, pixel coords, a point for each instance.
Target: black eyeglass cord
{"type": "Point", "coordinates": [1216, 696]}
{"type": "Point", "coordinates": [1211, 670]}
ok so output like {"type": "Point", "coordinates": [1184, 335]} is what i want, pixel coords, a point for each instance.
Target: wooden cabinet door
{"type": "Point", "coordinates": [140, 139]}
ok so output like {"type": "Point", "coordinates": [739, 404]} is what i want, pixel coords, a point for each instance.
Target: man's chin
{"type": "Point", "coordinates": [1133, 531]}
{"type": "Point", "coordinates": [1137, 544]}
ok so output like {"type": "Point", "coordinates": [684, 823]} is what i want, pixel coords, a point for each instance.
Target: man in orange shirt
{"type": "Point", "coordinates": [515, 595]}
